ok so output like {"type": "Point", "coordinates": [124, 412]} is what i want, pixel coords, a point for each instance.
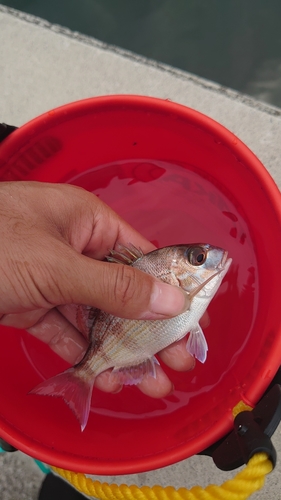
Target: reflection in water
{"type": "Point", "coordinates": [265, 83]}
{"type": "Point", "coordinates": [131, 171]}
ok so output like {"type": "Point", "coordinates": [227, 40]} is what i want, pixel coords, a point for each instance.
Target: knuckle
{"type": "Point", "coordinates": [34, 285]}
{"type": "Point", "coordinates": [132, 291]}
{"type": "Point", "coordinates": [125, 284]}
{"type": "Point", "coordinates": [51, 289]}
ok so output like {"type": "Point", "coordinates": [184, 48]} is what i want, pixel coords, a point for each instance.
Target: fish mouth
{"type": "Point", "coordinates": [224, 259]}
{"type": "Point", "coordinates": [225, 263]}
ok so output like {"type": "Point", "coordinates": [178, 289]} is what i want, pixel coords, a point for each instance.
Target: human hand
{"type": "Point", "coordinates": [54, 239]}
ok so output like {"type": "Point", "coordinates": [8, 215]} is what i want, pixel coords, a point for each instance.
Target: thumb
{"type": "Point", "coordinates": [118, 289]}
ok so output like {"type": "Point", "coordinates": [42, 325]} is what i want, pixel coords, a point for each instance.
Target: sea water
{"type": "Point", "coordinates": [170, 204]}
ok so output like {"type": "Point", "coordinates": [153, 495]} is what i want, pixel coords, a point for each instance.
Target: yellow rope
{"type": "Point", "coordinates": [240, 487]}
{"type": "Point", "coordinates": [241, 406]}
{"type": "Point", "coordinates": [245, 483]}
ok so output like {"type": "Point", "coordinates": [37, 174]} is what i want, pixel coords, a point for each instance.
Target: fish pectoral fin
{"type": "Point", "coordinates": [197, 344]}
{"type": "Point", "coordinates": [133, 375]}
{"type": "Point", "coordinates": [75, 390]}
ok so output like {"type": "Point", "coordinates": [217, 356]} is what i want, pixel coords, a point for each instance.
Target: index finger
{"type": "Point", "coordinates": [110, 230]}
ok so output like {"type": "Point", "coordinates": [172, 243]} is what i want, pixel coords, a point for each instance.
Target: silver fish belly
{"type": "Point", "coordinates": [129, 346]}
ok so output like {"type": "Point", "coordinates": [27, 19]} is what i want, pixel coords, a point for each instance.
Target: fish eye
{"type": "Point", "coordinates": [196, 256]}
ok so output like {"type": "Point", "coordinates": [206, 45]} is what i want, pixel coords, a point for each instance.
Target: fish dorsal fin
{"type": "Point", "coordinates": [125, 255]}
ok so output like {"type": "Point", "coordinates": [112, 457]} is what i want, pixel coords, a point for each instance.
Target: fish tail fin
{"type": "Point", "coordinates": [73, 388]}
{"type": "Point", "coordinates": [197, 344]}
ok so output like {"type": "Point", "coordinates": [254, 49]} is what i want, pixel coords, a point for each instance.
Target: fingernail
{"type": "Point", "coordinates": [80, 356]}
{"type": "Point", "coordinates": [166, 301]}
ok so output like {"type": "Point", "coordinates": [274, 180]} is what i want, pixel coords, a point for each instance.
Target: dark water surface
{"type": "Point", "coordinates": [233, 42]}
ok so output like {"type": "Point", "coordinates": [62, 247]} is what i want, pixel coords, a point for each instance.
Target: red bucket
{"type": "Point", "coordinates": [177, 176]}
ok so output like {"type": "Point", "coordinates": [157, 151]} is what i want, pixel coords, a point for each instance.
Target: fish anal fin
{"type": "Point", "coordinates": [196, 344]}
{"type": "Point", "coordinates": [133, 375]}
{"type": "Point", "coordinates": [75, 391]}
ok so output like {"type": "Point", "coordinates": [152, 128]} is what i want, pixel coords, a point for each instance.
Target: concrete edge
{"type": "Point", "coordinates": [178, 73]}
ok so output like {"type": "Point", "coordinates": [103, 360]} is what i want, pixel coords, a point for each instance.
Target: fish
{"type": "Point", "coordinates": [129, 346]}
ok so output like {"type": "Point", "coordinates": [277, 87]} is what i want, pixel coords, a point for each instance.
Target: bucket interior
{"type": "Point", "coordinates": [177, 177]}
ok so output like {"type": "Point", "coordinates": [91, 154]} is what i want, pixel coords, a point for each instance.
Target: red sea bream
{"type": "Point", "coordinates": [129, 346]}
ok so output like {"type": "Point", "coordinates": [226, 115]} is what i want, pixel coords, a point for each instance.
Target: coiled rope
{"type": "Point", "coordinates": [244, 484]}
{"type": "Point", "coordinates": [240, 487]}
